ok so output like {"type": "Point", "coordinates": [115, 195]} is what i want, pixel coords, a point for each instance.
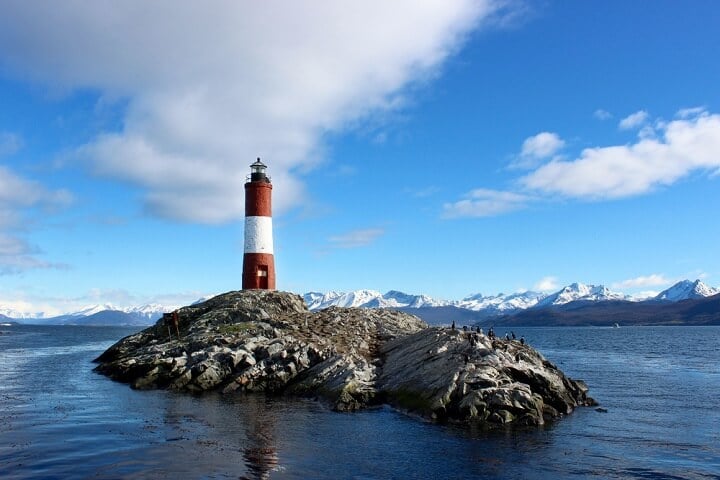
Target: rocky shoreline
{"type": "Point", "coordinates": [267, 341]}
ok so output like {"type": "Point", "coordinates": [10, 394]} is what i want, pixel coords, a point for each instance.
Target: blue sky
{"type": "Point", "coordinates": [447, 149]}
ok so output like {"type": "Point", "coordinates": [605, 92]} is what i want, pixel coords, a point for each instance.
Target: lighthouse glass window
{"type": "Point", "coordinates": [262, 271]}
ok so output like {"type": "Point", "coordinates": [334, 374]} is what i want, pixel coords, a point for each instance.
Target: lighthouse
{"type": "Point", "coordinates": [258, 261]}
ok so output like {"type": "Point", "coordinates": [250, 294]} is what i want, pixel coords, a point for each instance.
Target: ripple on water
{"type": "Point", "coordinates": [59, 419]}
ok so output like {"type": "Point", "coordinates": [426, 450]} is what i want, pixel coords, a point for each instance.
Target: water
{"type": "Point", "coordinates": [58, 419]}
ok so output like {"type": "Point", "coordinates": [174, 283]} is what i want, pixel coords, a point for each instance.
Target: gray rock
{"type": "Point", "coordinates": [466, 377]}
{"type": "Point", "coordinates": [346, 380]}
{"type": "Point", "coordinates": [261, 341]}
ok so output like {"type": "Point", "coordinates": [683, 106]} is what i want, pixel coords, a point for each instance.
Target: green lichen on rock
{"type": "Point", "coordinates": [235, 328]}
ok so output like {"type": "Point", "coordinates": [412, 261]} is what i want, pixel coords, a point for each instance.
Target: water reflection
{"type": "Point", "coordinates": [214, 434]}
{"type": "Point", "coordinates": [260, 453]}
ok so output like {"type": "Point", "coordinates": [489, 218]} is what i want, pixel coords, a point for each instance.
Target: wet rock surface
{"type": "Point", "coordinates": [266, 341]}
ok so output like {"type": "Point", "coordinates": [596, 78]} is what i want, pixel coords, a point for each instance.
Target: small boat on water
{"type": "Point", "coordinates": [6, 324]}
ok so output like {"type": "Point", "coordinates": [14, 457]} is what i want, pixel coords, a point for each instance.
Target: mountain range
{"type": "Point", "coordinates": [101, 314]}
{"type": "Point", "coordinates": [574, 304]}
{"type": "Point", "coordinates": [502, 303]}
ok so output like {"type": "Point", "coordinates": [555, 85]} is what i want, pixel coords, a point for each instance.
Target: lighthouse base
{"type": "Point", "coordinates": [258, 271]}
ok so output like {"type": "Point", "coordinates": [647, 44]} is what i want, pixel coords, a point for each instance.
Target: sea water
{"type": "Point", "coordinates": [659, 388]}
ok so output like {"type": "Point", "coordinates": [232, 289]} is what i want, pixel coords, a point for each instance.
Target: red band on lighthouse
{"type": "Point", "coordinates": [258, 260]}
{"type": "Point", "coordinates": [258, 204]}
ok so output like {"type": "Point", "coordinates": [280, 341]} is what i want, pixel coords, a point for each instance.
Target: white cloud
{"type": "Point", "coordinates": [211, 86]}
{"type": "Point", "coordinates": [356, 238]}
{"type": "Point", "coordinates": [601, 114]}
{"type": "Point", "coordinates": [18, 196]}
{"type": "Point", "coordinates": [542, 145]}
{"type": "Point", "coordinates": [17, 192]}
{"type": "Point", "coordinates": [633, 120]}
{"type": "Point", "coordinates": [644, 295]}
{"type": "Point", "coordinates": [482, 202]}
{"type": "Point", "coordinates": [547, 284]}
{"type": "Point", "coordinates": [15, 303]}
{"type": "Point", "coordinates": [11, 246]}
{"type": "Point", "coordinates": [663, 154]}
{"type": "Point", "coordinates": [680, 147]}
{"type": "Point", "coordinates": [690, 112]}
{"type": "Point", "coordinates": [653, 280]}
{"type": "Point", "coordinates": [16, 256]}
{"type": "Point", "coordinates": [536, 148]}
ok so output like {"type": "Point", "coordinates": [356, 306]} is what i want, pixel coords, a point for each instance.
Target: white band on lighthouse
{"type": "Point", "coordinates": [258, 235]}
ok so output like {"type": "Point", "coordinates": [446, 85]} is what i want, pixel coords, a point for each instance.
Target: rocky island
{"type": "Point", "coordinates": [267, 341]}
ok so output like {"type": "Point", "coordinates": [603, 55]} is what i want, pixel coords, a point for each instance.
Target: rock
{"type": "Point", "coordinates": [263, 341]}
{"type": "Point", "coordinates": [346, 380]}
{"type": "Point", "coordinates": [465, 377]}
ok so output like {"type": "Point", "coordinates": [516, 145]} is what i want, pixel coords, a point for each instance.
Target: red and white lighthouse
{"type": "Point", "coordinates": [258, 261]}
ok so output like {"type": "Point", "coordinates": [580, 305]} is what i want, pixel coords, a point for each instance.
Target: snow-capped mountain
{"type": "Point", "coordinates": [149, 312]}
{"type": "Point", "coordinates": [203, 299]}
{"type": "Point", "coordinates": [496, 304]}
{"type": "Point", "coordinates": [581, 292]}
{"type": "Point", "coordinates": [19, 315]}
{"type": "Point", "coordinates": [141, 315]}
{"type": "Point", "coordinates": [144, 314]}
{"type": "Point", "coordinates": [369, 299]}
{"type": "Point", "coordinates": [93, 309]}
{"type": "Point", "coordinates": [686, 290]}
{"type": "Point", "coordinates": [357, 298]}
{"type": "Point", "coordinates": [400, 299]}
{"type": "Point", "coordinates": [477, 305]}
{"type": "Point", "coordinates": [501, 303]}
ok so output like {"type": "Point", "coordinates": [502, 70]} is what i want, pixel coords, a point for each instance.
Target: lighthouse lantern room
{"type": "Point", "coordinates": [258, 260]}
